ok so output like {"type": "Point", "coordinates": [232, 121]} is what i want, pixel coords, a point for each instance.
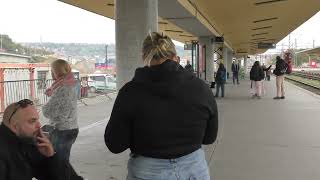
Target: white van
{"type": "Point", "coordinates": [101, 82]}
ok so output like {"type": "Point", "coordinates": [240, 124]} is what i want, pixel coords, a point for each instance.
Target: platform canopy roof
{"type": "Point", "coordinates": [242, 23]}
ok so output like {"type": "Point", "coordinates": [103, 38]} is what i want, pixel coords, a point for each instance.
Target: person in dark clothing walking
{"type": "Point", "coordinates": [256, 77]}
{"type": "Point", "coordinates": [25, 152]}
{"type": "Point", "coordinates": [164, 115]}
{"type": "Point", "coordinates": [235, 72]}
{"type": "Point", "coordinates": [221, 77]}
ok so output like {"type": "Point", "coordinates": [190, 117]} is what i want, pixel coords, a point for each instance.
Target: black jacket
{"type": "Point", "coordinates": [281, 67]}
{"type": "Point", "coordinates": [20, 161]}
{"type": "Point", "coordinates": [235, 68]}
{"type": "Point", "coordinates": [164, 112]}
{"type": "Point", "coordinates": [256, 73]}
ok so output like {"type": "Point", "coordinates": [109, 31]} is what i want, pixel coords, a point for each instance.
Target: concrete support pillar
{"type": "Point", "coordinates": [245, 64]}
{"type": "Point", "coordinates": [225, 58]}
{"type": "Point", "coordinates": [2, 89]}
{"type": "Point", "coordinates": [208, 57]}
{"type": "Point", "coordinates": [134, 21]}
{"type": "Point", "coordinates": [230, 57]}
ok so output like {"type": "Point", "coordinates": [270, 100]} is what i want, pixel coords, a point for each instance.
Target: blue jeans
{"type": "Point", "coordinates": [62, 141]}
{"type": "Point", "coordinates": [189, 167]}
{"type": "Point", "coordinates": [220, 85]}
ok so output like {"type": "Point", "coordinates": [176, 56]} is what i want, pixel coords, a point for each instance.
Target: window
{"type": "Point", "coordinates": [42, 75]}
{"type": "Point", "coordinates": [41, 82]}
{"type": "Point", "coordinates": [111, 80]}
{"type": "Point", "coordinates": [99, 78]}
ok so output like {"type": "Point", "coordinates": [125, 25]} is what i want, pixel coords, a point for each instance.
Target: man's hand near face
{"type": "Point", "coordinates": [44, 145]}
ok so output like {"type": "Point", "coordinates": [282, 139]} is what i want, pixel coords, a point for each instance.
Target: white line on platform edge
{"type": "Point", "coordinates": [94, 124]}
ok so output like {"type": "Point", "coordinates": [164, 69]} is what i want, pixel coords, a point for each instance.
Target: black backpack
{"type": "Point", "coordinates": [253, 73]}
{"type": "Point", "coordinates": [222, 76]}
{"type": "Point", "coordinates": [283, 67]}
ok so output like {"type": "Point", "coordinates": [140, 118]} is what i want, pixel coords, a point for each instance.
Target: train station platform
{"type": "Point", "coordinates": [263, 139]}
{"type": "Point", "coordinates": [259, 139]}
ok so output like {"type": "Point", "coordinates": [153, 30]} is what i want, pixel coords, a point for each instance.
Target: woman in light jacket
{"type": "Point", "coordinates": [61, 109]}
{"type": "Point", "coordinates": [163, 116]}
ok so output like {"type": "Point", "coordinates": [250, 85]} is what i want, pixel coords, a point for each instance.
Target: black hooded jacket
{"type": "Point", "coordinates": [21, 161]}
{"type": "Point", "coordinates": [256, 73]}
{"type": "Point", "coordinates": [164, 112]}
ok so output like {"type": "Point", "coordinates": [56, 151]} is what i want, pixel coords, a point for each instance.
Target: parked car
{"type": "Point", "coordinates": [101, 82]}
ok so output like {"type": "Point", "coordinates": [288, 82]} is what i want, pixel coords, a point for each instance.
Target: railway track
{"type": "Point", "coordinates": [297, 81]}
{"type": "Point", "coordinates": [307, 75]}
{"type": "Point", "coordinates": [304, 84]}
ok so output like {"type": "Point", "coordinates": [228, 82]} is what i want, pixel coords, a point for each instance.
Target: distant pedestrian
{"type": "Point", "coordinates": [256, 77]}
{"type": "Point", "coordinates": [221, 77]}
{"type": "Point", "coordinates": [235, 67]}
{"type": "Point", "coordinates": [61, 109]}
{"type": "Point", "coordinates": [280, 70]}
{"type": "Point", "coordinates": [267, 71]}
{"type": "Point", "coordinates": [188, 67]}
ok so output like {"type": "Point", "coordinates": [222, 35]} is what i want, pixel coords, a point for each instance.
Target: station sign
{"type": "Point", "coordinates": [266, 46]}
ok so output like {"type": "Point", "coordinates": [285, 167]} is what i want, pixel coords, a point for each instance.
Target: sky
{"type": "Point", "coordinates": [305, 34]}
{"type": "Point", "coordinates": [54, 21]}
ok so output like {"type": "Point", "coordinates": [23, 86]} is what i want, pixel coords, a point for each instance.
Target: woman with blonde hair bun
{"type": "Point", "coordinates": [163, 116]}
{"type": "Point", "coordinates": [61, 109]}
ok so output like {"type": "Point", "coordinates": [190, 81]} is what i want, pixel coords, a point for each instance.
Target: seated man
{"type": "Point", "coordinates": [25, 153]}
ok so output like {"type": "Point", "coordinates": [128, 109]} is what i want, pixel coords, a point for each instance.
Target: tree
{"type": "Point", "coordinates": [11, 47]}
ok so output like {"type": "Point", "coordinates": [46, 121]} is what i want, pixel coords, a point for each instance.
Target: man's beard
{"type": "Point", "coordinates": [31, 140]}
{"type": "Point", "coordinates": [28, 140]}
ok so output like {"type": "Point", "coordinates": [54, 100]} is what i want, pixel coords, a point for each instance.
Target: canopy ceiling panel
{"type": "Point", "coordinates": [243, 23]}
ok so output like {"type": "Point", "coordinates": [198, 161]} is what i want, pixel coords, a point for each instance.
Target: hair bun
{"type": "Point", "coordinates": [157, 46]}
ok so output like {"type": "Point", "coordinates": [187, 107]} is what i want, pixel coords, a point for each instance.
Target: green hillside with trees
{"type": "Point", "coordinates": [9, 46]}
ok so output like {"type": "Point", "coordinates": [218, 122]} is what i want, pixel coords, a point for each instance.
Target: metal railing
{"type": "Point", "coordinates": [13, 91]}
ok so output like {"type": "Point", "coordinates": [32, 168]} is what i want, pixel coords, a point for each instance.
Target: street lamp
{"type": "Point", "coordinates": [106, 61]}
{"type": "Point", "coordinates": [1, 42]}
